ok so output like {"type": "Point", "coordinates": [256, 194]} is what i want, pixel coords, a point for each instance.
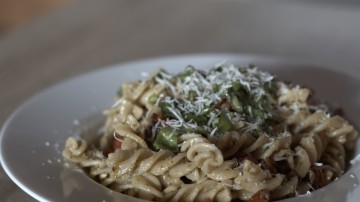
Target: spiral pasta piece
{"type": "Point", "coordinates": [144, 186]}
{"type": "Point", "coordinates": [138, 162]}
{"type": "Point", "coordinates": [134, 90]}
{"type": "Point", "coordinates": [334, 127]}
{"type": "Point", "coordinates": [124, 112]}
{"type": "Point", "coordinates": [334, 156]}
{"type": "Point", "coordinates": [125, 131]}
{"type": "Point", "coordinates": [231, 142]}
{"type": "Point", "coordinates": [153, 91]}
{"type": "Point", "coordinates": [208, 189]}
{"type": "Point", "coordinates": [208, 157]}
{"type": "Point", "coordinates": [253, 179]}
{"type": "Point", "coordinates": [265, 146]}
{"type": "Point", "coordinates": [288, 187]}
{"type": "Point", "coordinates": [75, 149]}
{"type": "Point", "coordinates": [201, 151]}
{"type": "Point", "coordinates": [290, 96]}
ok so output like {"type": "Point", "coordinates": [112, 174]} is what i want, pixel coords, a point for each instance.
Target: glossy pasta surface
{"type": "Point", "coordinates": [217, 135]}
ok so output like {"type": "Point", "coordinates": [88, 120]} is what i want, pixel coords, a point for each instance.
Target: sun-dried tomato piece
{"type": "Point", "coordinates": [260, 196]}
{"type": "Point", "coordinates": [224, 105]}
{"type": "Point", "coordinates": [270, 165]}
{"type": "Point", "coordinates": [316, 177]}
{"type": "Point", "coordinates": [117, 143]}
{"type": "Point", "coordinates": [206, 200]}
{"type": "Point", "coordinates": [339, 111]}
{"type": "Point", "coordinates": [107, 151]}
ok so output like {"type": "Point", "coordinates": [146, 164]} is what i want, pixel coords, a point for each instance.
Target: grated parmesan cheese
{"type": "Point", "coordinates": [197, 90]}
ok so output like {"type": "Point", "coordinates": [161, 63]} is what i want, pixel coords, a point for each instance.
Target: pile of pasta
{"type": "Point", "coordinates": [218, 135]}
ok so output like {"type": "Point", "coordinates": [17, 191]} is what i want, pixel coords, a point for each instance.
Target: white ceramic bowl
{"type": "Point", "coordinates": [33, 137]}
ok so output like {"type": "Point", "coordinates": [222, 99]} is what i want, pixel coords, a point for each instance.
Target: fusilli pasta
{"type": "Point", "coordinates": [228, 133]}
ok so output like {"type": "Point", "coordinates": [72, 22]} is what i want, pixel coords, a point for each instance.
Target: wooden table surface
{"type": "Point", "coordinates": [15, 13]}
{"type": "Point", "coordinates": [88, 34]}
